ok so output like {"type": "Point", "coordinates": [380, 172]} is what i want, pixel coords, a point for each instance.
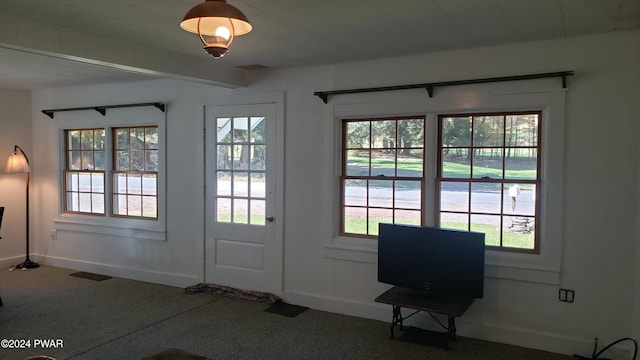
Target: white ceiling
{"type": "Point", "coordinates": [45, 43]}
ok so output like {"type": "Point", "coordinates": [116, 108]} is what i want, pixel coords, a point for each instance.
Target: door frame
{"type": "Point", "coordinates": [277, 99]}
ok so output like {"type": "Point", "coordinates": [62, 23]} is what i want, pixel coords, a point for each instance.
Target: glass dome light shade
{"type": "Point", "coordinates": [216, 35]}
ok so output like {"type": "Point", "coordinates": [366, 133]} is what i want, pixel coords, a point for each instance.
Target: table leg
{"type": "Point", "coordinates": [397, 319]}
{"type": "Point", "coordinates": [452, 327]}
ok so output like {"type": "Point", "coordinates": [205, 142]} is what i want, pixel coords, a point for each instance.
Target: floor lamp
{"type": "Point", "coordinates": [18, 163]}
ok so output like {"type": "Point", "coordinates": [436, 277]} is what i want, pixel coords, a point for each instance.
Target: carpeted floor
{"type": "Point", "coordinates": [124, 319]}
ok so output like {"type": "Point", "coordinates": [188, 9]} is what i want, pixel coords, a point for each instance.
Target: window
{"type": "Point", "coordinates": [488, 177]}
{"type": "Point", "coordinates": [84, 171]}
{"type": "Point", "coordinates": [241, 170]}
{"type": "Point", "coordinates": [135, 175]}
{"type": "Point", "coordinates": [130, 154]}
{"type": "Point", "coordinates": [383, 173]}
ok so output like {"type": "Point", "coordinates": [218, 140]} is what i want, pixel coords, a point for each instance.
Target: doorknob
{"type": "Point", "coordinates": [269, 218]}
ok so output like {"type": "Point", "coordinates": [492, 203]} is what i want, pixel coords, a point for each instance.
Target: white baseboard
{"type": "Point", "coordinates": [164, 278]}
{"type": "Point", "coordinates": [545, 341]}
{"type": "Point", "coordinates": [6, 263]}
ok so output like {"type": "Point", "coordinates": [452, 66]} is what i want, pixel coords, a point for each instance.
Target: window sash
{"type": "Point", "coordinates": [135, 194]}
{"type": "Point", "coordinates": [84, 192]}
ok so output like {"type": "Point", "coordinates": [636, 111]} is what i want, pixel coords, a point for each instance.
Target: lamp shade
{"type": "Point", "coordinates": [217, 23]}
{"type": "Point", "coordinates": [17, 162]}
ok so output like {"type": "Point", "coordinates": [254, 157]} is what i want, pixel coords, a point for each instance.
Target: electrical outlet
{"type": "Point", "coordinates": [54, 234]}
{"type": "Point", "coordinates": [566, 295]}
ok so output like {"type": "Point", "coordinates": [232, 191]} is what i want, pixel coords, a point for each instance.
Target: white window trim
{"type": "Point", "coordinates": [147, 229]}
{"type": "Point", "coordinates": [541, 95]}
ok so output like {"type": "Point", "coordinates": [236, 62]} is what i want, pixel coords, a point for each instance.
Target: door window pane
{"type": "Point", "coordinates": [241, 170]}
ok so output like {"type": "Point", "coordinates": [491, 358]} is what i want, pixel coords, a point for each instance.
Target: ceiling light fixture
{"type": "Point", "coordinates": [217, 23]}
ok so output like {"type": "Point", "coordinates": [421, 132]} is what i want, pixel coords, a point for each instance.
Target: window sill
{"type": "Point", "coordinates": [352, 249]}
{"type": "Point", "coordinates": [114, 227]}
{"type": "Point", "coordinates": [519, 267]}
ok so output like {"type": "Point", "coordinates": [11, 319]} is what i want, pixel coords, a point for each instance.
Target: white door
{"type": "Point", "coordinates": [243, 246]}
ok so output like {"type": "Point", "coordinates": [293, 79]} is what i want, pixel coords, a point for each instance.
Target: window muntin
{"type": "Point", "coordinates": [135, 172]}
{"type": "Point", "coordinates": [383, 173]}
{"type": "Point", "coordinates": [84, 182]}
{"type": "Point", "coordinates": [488, 177]}
{"type": "Point", "coordinates": [241, 170]}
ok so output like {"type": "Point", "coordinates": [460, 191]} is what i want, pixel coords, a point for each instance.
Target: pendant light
{"type": "Point", "coordinates": [217, 23]}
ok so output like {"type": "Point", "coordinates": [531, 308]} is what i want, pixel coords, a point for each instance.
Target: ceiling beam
{"type": "Point", "coordinates": [23, 34]}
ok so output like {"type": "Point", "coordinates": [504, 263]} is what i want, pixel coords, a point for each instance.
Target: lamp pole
{"type": "Point", "coordinates": [27, 264]}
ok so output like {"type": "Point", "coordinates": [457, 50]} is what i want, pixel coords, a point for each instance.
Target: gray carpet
{"type": "Point", "coordinates": [124, 319]}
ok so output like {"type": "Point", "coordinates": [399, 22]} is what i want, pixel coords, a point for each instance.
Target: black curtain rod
{"type": "Point", "coordinates": [324, 95]}
{"type": "Point", "coordinates": [103, 109]}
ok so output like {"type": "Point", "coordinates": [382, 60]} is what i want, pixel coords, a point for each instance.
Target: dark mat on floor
{"type": "Point", "coordinates": [285, 309]}
{"type": "Point", "coordinates": [234, 292]}
{"type": "Point", "coordinates": [174, 354]}
{"type": "Point", "coordinates": [90, 276]}
{"type": "Point", "coordinates": [416, 335]}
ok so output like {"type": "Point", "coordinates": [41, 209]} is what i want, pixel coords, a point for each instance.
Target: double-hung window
{"type": "Point", "coordinates": [489, 177]}
{"type": "Point", "coordinates": [383, 173]}
{"type": "Point", "coordinates": [135, 172]}
{"type": "Point", "coordinates": [129, 155]}
{"type": "Point", "coordinates": [84, 174]}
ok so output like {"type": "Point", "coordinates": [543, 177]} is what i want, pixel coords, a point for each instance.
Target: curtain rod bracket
{"type": "Point", "coordinates": [323, 95]}
{"type": "Point", "coordinates": [429, 88]}
{"type": "Point", "coordinates": [160, 106]}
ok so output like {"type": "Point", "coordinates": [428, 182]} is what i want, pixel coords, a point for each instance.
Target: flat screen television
{"type": "Point", "coordinates": [430, 261]}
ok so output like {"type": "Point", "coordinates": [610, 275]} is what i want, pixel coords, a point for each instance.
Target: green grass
{"type": "Point", "coordinates": [492, 234]}
{"type": "Point", "coordinates": [407, 164]}
{"type": "Point", "coordinates": [359, 225]}
{"type": "Point", "coordinates": [452, 169]}
{"type": "Point", "coordinates": [256, 219]}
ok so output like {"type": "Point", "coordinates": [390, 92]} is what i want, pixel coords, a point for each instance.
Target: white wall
{"type": "Point", "coordinates": [599, 207]}
{"type": "Point", "coordinates": [15, 129]}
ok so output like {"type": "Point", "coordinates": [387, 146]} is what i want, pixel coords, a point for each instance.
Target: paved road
{"type": "Point", "coordinates": [482, 201]}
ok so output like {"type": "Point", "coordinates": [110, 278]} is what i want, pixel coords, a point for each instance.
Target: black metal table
{"type": "Point", "coordinates": [399, 297]}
